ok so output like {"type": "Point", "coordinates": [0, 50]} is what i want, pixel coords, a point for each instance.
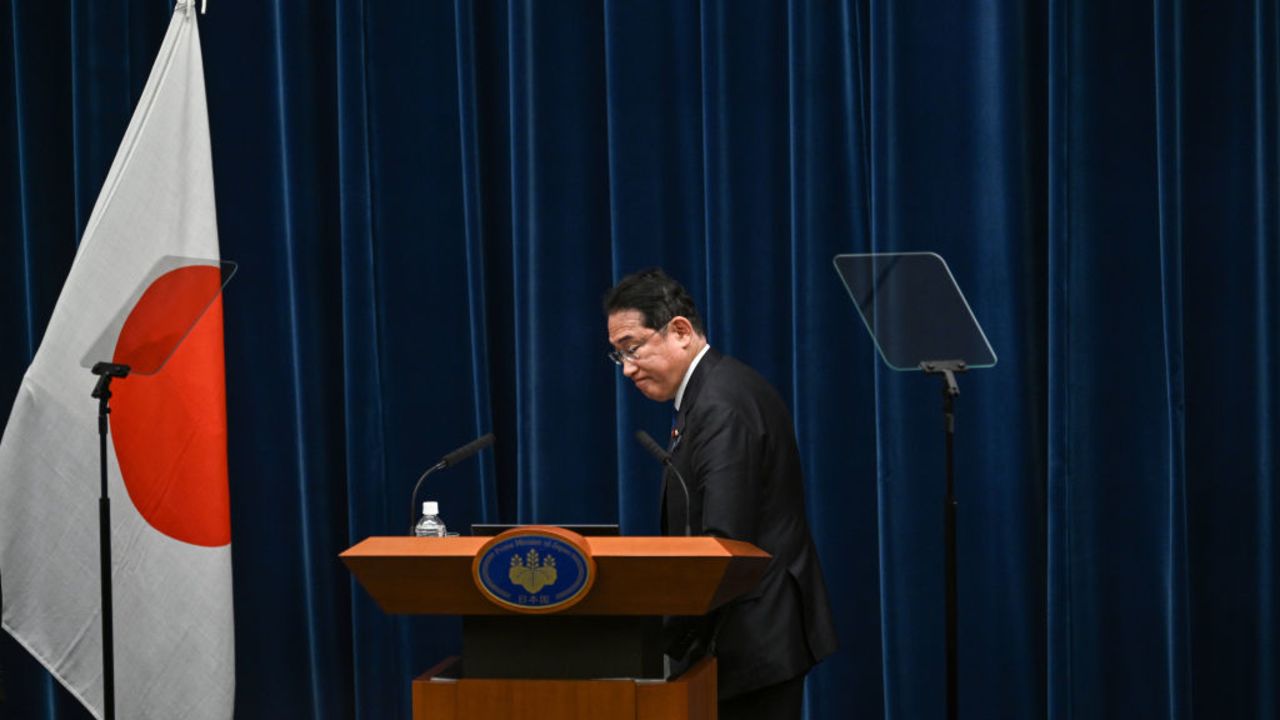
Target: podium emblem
{"type": "Point", "coordinates": [535, 569]}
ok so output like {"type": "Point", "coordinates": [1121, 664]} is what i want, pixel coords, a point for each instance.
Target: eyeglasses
{"type": "Point", "coordinates": [631, 354]}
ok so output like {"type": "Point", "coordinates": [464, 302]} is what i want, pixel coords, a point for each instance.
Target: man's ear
{"type": "Point", "coordinates": [681, 326]}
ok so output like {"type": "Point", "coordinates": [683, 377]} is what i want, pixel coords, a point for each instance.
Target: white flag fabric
{"type": "Point", "coordinates": [171, 537]}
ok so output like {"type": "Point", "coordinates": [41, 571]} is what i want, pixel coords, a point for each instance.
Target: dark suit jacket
{"type": "Point", "coordinates": [736, 447]}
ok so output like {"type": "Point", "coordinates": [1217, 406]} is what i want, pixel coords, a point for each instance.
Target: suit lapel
{"type": "Point", "coordinates": [673, 508]}
{"type": "Point", "coordinates": [694, 388]}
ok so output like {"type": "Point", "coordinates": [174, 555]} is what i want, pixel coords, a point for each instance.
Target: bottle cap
{"type": "Point", "coordinates": [430, 507]}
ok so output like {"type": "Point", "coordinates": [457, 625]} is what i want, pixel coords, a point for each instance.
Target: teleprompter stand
{"type": "Point", "coordinates": [143, 334]}
{"type": "Point", "coordinates": [919, 320]}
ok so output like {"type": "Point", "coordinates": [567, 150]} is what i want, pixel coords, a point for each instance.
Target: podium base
{"type": "Point", "coordinates": [692, 696]}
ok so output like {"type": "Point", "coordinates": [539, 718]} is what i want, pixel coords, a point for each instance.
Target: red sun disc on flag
{"type": "Point", "coordinates": [169, 430]}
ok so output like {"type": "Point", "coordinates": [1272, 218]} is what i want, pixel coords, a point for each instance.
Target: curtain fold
{"type": "Point", "coordinates": [428, 202]}
{"type": "Point", "coordinates": [474, 224]}
{"type": "Point", "coordinates": [372, 633]}
{"type": "Point", "coordinates": [1167, 33]}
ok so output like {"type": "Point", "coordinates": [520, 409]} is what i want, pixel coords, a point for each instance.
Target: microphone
{"type": "Point", "coordinates": [449, 460]}
{"type": "Point", "coordinates": [664, 457]}
{"type": "Point", "coordinates": [467, 450]}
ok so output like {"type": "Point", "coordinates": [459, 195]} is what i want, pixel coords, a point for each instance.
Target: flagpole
{"type": "Point", "coordinates": [102, 391]}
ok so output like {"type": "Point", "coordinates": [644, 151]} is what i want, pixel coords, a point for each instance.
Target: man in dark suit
{"type": "Point", "coordinates": [733, 442]}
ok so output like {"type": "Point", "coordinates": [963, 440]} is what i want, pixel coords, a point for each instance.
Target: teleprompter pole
{"type": "Point", "coordinates": [950, 390]}
{"type": "Point", "coordinates": [102, 391]}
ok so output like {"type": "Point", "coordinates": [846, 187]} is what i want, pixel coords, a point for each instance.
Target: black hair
{"type": "Point", "coordinates": [657, 296]}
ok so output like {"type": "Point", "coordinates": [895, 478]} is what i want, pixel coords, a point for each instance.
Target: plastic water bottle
{"type": "Point", "coordinates": [430, 525]}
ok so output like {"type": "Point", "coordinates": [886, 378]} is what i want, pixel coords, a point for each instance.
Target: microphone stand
{"type": "Point", "coordinates": [102, 391]}
{"type": "Point", "coordinates": [448, 460]}
{"type": "Point", "coordinates": [950, 390]}
{"type": "Point", "coordinates": [688, 509]}
{"type": "Point", "coordinates": [664, 457]}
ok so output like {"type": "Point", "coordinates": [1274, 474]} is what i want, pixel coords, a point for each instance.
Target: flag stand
{"type": "Point", "coordinates": [102, 391]}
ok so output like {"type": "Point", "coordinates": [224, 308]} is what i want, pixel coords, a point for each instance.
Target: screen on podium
{"type": "Point", "coordinates": [486, 529]}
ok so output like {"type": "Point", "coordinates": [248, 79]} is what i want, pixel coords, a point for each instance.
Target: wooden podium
{"type": "Point", "coordinates": [598, 659]}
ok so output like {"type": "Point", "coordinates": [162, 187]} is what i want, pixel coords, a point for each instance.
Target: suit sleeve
{"type": "Point", "coordinates": [727, 470]}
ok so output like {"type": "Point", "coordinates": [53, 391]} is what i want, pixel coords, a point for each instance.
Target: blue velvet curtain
{"type": "Point", "coordinates": [428, 200]}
